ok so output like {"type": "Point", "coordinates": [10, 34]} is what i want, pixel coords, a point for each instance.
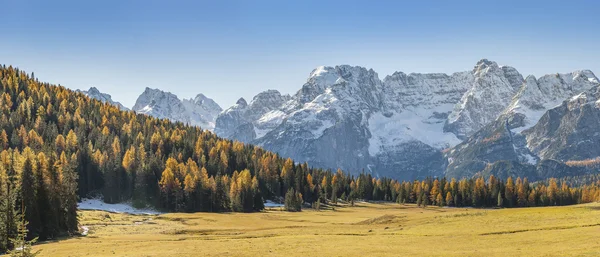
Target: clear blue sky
{"type": "Point", "coordinates": [229, 49]}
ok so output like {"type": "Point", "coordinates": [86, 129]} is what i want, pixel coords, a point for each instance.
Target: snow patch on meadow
{"type": "Point", "coordinates": [100, 205]}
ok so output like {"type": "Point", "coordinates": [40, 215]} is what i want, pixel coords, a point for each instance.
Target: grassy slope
{"type": "Point", "coordinates": [365, 230]}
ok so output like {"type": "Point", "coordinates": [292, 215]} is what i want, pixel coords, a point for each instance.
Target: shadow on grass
{"type": "Point", "coordinates": [593, 208]}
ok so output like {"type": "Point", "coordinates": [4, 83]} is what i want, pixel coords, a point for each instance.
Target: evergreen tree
{"type": "Point", "coordinates": [29, 197]}
{"type": "Point", "coordinates": [68, 193]}
{"type": "Point", "coordinates": [500, 200]}
{"type": "Point", "coordinates": [220, 195]}
{"type": "Point", "coordinates": [293, 201]}
{"type": "Point", "coordinates": [8, 215]}
{"type": "Point", "coordinates": [22, 246]}
{"type": "Point", "coordinates": [258, 202]}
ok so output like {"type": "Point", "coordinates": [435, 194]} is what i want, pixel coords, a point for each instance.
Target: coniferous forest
{"type": "Point", "coordinates": [59, 146]}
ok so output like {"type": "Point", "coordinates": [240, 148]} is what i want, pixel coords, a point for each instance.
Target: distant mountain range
{"type": "Point", "coordinates": [489, 120]}
{"type": "Point", "coordinates": [200, 111]}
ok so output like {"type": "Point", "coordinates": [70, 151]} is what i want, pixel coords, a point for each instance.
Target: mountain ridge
{"type": "Point", "coordinates": [397, 124]}
{"type": "Point", "coordinates": [199, 111]}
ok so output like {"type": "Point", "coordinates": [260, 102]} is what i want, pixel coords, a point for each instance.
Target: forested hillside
{"type": "Point", "coordinates": [59, 145]}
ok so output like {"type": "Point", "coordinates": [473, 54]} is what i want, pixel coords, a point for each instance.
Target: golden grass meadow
{"type": "Point", "coordinates": [367, 229]}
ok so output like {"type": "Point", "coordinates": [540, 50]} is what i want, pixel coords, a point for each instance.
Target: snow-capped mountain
{"type": "Point", "coordinates": [200, 111]}
{"type": "Point", "coordinates": [96, 94]}
{"type": "Point", "coordinates": [347, 117]}
{"type": "Point", "coordinates": [509, 137]}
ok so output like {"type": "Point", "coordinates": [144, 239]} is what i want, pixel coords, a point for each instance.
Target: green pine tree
{"type": "Point", "coordinates": [22, 247]}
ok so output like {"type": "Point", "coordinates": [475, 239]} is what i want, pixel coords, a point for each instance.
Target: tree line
{"type": "Point", "coordinates": [494, 192]}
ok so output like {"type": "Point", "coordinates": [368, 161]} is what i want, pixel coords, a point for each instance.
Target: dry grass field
{"type": "Point", "coordinates": [364, 230]}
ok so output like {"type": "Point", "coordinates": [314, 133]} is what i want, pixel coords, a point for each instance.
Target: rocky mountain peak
{"type": "Point", "coordinates": [352, 79]}
{"type": "Point", "coordinates": [206, 103]}
{"type": "Point", "coordinates": [200, 98]}
{"type": "Point", "coordinates": [93, 92]}
{"type": "Point", "coordinates": [485, 65]}
{"type": "Point", "coordinates": [585, 75]}
{"type": "Point", "coordinates": [268, 96]}
{"type": "Point", "coordinates": [530, 79]}
{"type": "Point", "coordinates": [241, 102]}
{"type": "Point", "coordinates": [200, 111]}
{"type": "Point", "coordinates": [153, 96]}
{"type": "Point", "coordinates": [490, 93]}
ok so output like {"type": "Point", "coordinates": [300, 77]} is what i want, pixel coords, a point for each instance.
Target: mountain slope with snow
{"type": "Point", "coordinates": [490, 93]}
{"type": "Point", "coordinates": [570, 131]}
{"type": "Point", "coordinates": [538, 95]}
{"type": "Point", "coordinates": [200, 111]}
{"type": "Point", "coordinates": [509, 137]}
{"type": "Point", "coordinates": [246, 122]}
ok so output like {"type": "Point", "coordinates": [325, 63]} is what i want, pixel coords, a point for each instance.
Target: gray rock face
{"type": "Point", "coordinates": [507, 168]}
{"type": "Point", "coordinates": [338, 146]}
{"type": "Point", "coordinates": [233, 123]}
{"type": "Point", "coordinates": [411, 160]}
{"type": "Point", "coordinates": [569, 131]}
{"type": "Point", "coordinates": [493, 143]}
{"type": "Point", "coordinates": [554, 169]}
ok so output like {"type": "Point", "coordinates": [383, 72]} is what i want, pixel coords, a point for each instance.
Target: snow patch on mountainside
{"type": "Point", "coordinates": [410, 125]}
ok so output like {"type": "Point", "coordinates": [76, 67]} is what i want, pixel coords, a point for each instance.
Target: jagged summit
{"type": "Point", "coordinates": [200, 111]}
{"type": "Point", "coordinates": [241, 102]}
{"type": "Point", "coordinates": [490, 92]}
{"type": "Point", "coordinates": [93, 92]}
{"type": "Point", "coordinates": [538, 95]}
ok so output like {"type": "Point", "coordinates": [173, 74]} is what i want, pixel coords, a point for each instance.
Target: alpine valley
{"type": "Point", "coordinates": [490, 120]}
